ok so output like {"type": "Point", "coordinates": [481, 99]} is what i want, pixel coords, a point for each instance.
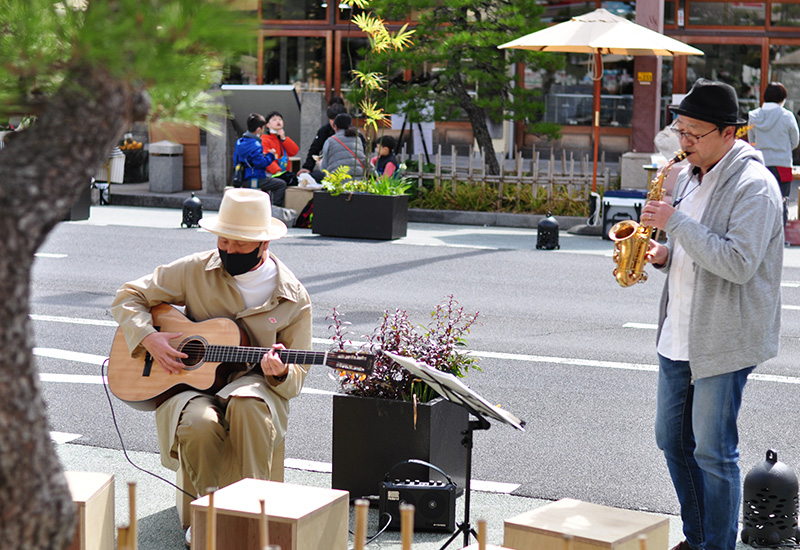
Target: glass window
{"type": "Point", "coordinates": [558, 11]}
{"type": "Point", "coordinates": [621, 9]}
{"type": "Point", "coordinates": [353, 51]}
{"type": "Point", "coordinates": [346, 13]}
{"type": "Point", "coordinates": [294, 10]}
{"type": "Point", "coordinates": [726, 14]}
{"type": "Point", "coordinates": [569, 92]}
{"type": "Point", "coordinates": [785, 15]}
{"type": "Point", "coordinates": [669, 12]}
{"type": "Point", "coordinates": [297, 60]}
{"type": "Point", "coordinates": [737, 64]}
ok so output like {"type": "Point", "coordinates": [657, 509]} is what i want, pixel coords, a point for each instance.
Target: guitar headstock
{"type": "Point", "coordinates": [359, 363]}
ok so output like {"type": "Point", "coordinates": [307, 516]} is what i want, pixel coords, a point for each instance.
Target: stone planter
{"type": "Point", "coordinates": [360, 215]}
{"type": "Point", "coordinates": [371, 435]}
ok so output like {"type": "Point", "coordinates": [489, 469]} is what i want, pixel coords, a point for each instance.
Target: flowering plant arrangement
{"type": "Point", "coordinates": [340, 181]}
{"type": "Point", "coordinates": [439, 344]}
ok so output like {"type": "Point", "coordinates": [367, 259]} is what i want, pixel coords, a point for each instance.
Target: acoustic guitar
{"type": "Point", "coordinates": [215, 350]}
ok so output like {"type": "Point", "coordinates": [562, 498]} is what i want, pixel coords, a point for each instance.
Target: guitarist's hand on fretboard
{"type": "Point", "coordinates": [271, 364]}
{"type": "Point", "coordinates": [157, 345]}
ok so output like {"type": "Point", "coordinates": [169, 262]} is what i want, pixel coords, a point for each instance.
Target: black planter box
{"type": "Point", "coordinates": [360, 215]}
{"type": "Point", "coordinates": [371, 435]}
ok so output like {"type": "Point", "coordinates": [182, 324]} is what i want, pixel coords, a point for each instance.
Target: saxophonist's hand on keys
{"type": "Point", "coordinates": [657, 253]}
{"type": "Point", "coordinates": [656, 214]}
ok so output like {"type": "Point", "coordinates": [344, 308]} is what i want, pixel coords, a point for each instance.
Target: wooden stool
{"type": "Point", "coordinates": [300, 517]}
{"type": "Point", "coordinates": [593, 527]}
{"type": "Point", "coordinates": [298, 197]}
{"type": "Point", "coordinates": [182, 500]}
{"type": "Point", "coordinates": [93, 493]}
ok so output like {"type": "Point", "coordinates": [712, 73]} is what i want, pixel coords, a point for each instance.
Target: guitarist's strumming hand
{"type": "Point", "coordinates": [271, 364]}
{"type": "Point", "coordinates": [157, 344]}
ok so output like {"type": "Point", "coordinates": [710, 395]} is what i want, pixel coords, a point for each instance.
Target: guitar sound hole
{"type": "Point", "coordinates": [195, 349]}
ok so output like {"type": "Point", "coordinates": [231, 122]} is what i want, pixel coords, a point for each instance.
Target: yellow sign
{"type": "Point", "coordinates": [645, 77]}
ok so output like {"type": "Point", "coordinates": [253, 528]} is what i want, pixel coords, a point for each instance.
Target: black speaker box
{"type": "Point", "coordinates": [434, 504]}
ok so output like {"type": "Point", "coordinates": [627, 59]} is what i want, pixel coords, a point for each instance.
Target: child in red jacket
{"type": "Point", "coordinates": [275, 141]}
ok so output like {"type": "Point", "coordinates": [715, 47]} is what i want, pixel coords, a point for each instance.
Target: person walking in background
{"type": "Point", "coordinates": [385, 162]}
{"type": "Point", "coordinates": [250, 152]}
{"type": "Point", "coordinates": [275, 141]}
{"type": "Point", "coordinates": [344, 148]}
{"type": "Point", "coordinates": [774, 132]}
{"type": "Point", "coordinates": [720, 308]}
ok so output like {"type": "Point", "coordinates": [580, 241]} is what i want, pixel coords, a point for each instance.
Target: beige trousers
{"type": "Point", "coordinates": [223, 441]}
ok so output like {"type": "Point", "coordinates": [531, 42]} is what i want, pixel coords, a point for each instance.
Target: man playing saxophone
{"type": "Point", "coordinates": [720, 307]}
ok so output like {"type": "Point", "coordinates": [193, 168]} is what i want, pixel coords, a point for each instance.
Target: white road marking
{"type": "Point", "coordinates": [74, 320]}
{"type": "Point", "coordinates": [63, 437]}
{"type": "Point", "coordinates": [48, 255]}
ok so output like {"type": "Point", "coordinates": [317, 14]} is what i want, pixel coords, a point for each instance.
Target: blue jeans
{"type": "Point", "coordinates": [696, 429]}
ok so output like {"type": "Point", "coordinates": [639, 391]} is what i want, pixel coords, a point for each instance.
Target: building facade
{"type": "Point", "coordinates": [313, 45]}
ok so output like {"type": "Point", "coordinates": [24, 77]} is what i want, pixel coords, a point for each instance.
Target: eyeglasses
{"type": "Point", "coordinates": [691, 138]}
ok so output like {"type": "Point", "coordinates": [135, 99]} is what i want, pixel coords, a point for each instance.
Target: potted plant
{"type": "Point", "coordinates": [389, 416]}
{"type": "Point", "coordinates": [369, 208]}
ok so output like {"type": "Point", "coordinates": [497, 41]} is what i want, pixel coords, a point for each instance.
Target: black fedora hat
{"type": "Point", "coordinates": [711, 101]}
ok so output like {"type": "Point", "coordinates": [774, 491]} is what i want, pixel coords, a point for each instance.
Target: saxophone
{"type": "Point", "coordinates": [632, 240]}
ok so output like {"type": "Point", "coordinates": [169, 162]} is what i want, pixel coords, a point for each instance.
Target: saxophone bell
{"type": "Point", "coordinates": [632, 240]}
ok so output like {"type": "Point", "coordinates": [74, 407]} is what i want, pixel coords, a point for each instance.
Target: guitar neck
{"type": "Point", "coordinates": [241, 354]}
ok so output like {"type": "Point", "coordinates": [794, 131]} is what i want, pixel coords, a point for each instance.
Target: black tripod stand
{"type": "Point", "coordinates": [452, 389]}
{"type": "Point", "coordinates": [464, 527]}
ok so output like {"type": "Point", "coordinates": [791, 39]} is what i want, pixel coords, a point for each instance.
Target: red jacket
{"type": "Point", "coordinates": [270, 142]}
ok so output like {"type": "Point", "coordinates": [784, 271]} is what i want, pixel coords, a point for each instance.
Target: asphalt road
{"type": "Point", "coordinates": [561, 345]}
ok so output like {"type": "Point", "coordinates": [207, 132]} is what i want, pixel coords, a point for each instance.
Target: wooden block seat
{"type": "Point", "coordinates": [300, 517]}
{"type": "Point", "coordinates": [183, 500]}
{"type": "Point", "coordinates": [592, 526]}
{"type": "Point", "coordinates": [93, 494]}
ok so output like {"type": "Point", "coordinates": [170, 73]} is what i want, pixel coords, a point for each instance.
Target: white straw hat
{"type": "Point", "coordinates": [245, 215]}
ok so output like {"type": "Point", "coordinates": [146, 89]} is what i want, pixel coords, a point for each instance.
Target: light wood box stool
{"type": "Point", "coordinates": [593, 527]}
{"type": "Point", "coordinates": [93, 493]}
{"type": "Point", "coordinates": [300, 517]}
{"type": "Point", "coordinates": [298, 197]}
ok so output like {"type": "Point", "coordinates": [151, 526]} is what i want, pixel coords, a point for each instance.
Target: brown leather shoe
{"type": "Point", "coordinates": [682, 545]}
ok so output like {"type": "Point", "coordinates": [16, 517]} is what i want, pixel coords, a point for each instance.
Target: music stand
{"type": "Point", "coordinates": [452, 389]}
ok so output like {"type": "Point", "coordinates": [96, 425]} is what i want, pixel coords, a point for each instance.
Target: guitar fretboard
{"type": "Point", "coordinates": [241, 354]}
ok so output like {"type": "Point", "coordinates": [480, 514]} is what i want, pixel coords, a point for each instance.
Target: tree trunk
{"type": "Point", "coordinates": [42, 171]}
{"type": "Point", "coordinates": [477, 118]}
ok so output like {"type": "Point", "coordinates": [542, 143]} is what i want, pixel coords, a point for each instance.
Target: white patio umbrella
{"type": "Point", "coordinates": [597, 33]}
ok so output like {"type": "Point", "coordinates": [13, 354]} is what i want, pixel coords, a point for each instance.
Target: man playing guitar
{"type": "Point", "coordinates": [223, 437]}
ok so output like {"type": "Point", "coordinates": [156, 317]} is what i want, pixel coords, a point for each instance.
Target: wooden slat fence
{"type": "Point", "coordinates": [575, 177]}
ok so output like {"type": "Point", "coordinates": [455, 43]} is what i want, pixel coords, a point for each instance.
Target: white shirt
{"type": "Point", "coordinates": [258, 285]}
{"type": "Point", "coordinates": [674, 340]}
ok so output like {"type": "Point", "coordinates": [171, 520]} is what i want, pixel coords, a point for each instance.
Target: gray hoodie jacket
{"type": "Point", "coordinates": [774, 133]}
{"type": "Point", "coordinates": [737, 251]}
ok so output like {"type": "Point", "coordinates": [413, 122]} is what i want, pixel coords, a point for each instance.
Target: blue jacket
{"type": "Point", "coordinates": [250, 151]}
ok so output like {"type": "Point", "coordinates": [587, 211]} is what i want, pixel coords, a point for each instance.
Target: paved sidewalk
{"type": "Point", "coordinates": [159, 526]}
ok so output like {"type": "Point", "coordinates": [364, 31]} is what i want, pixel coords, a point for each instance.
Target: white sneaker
{"type": "Point", "coordinates": [188, 538]}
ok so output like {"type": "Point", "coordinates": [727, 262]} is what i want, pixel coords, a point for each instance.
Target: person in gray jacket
{"type": "Point", "coordinates": [774, 132]}
{"type": "Point", "coordinates": [720, 307]}
{"type": "Point", "coordinates": [344, 148]}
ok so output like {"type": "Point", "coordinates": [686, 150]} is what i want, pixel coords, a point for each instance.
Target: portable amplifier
{"type": "Point", "coordinates": [434, 501]}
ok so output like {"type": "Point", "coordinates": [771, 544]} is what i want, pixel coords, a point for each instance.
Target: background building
{"type": "Point", "coordinates": [312, 45]}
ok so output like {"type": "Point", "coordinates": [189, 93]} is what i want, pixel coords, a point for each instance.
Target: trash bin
{"type": "Point", "coordinates": [113, 171]}
{"type": "Point", "coordinates": [166, 167]}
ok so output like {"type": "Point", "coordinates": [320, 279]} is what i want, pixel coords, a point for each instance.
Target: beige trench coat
{"type": "Point", "coordinates": [201, 284]}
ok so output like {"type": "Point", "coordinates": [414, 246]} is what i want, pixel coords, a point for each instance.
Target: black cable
{"type": "Point", "coordinates": [382, 529]}
{"type": "Point", "coordinates": [122, 443]}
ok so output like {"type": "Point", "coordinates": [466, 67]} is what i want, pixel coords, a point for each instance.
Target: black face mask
{"type": "Point", "coordinates": [236, 264]}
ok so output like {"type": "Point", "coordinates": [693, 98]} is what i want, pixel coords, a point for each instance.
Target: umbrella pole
{"type": "Point", "coordinates": [598, 76]}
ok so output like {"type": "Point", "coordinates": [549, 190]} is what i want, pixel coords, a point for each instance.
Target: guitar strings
{"type": "Point", "coordinates": [122, 442]}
